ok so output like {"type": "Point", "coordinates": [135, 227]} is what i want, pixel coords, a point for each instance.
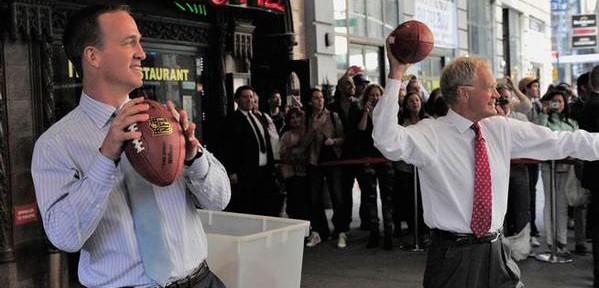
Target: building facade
{"type": "Point", "coordinates": [514, 35]}
{"type": "Point", "coordinates": [574, 39]}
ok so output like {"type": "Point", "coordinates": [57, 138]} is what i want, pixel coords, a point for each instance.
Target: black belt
{"type": "Point", "coordinates": [192, 279]}
{"type": "Point", "coordinates": [463, 238]}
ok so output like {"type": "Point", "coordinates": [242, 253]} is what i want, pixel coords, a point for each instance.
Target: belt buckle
{"type": "Point", "coordinates": [496, 237]}
{"type": "Point", "coordinates": [462, 239]}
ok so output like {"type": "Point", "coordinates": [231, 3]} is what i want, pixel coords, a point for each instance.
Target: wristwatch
{"type": "Point", "coordinates": [198, 155]}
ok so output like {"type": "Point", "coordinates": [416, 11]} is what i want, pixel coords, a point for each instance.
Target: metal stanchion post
{"type": "Point", "coordinates": [55, 268]}
{"type": "Point", "coordinates": [553, 257]}
{"type": "Point", "coordinates": [416, 228]}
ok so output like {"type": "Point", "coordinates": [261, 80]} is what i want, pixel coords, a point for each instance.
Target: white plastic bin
{"type": "Point", "coordinates": [251, 251]}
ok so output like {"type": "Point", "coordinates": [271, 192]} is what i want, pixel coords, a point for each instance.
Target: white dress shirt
{"type": "Point", "coordinates": [83, 202]}
{"type": "Point", "coordinates": [262, 157]}
{"type": "Point", "coordinates": [443, 151]}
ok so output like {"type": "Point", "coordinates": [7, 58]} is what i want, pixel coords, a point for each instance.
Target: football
{"type": "Point", "coordinates": [411, 41]}
{"type": "Point", "coordinates": [159, 154]}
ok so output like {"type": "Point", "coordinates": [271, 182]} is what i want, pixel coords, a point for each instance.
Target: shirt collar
{"type": "Point", "coordinates": [461, 123]}
{"type": "Point", "coordinates": [245, 113]}
{"type": "Point", "coordinates": [100, 113]}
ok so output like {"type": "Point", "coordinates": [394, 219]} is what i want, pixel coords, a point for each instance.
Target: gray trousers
{"type": "Point", "coordinates": [465, 265]}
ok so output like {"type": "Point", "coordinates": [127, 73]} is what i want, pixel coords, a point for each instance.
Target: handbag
{"type": "Point", "coordinates": [575, 193]}
{"type": "Point", "coordinates": [327, 153]}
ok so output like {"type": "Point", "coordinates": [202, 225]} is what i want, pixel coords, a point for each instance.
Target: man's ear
{"type": "Point", "coordinates": [463, 94]}
{"type": "Point", "coordinates": [91, 56]}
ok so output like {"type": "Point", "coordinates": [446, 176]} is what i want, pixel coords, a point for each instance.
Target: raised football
{"type": "Point", "coordinates": [411, 41]}
{"type": "Point", "coordinates": [159, 154]}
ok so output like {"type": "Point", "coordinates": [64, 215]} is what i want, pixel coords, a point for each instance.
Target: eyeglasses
{"type": "Point", "coordinates": [490, 89]}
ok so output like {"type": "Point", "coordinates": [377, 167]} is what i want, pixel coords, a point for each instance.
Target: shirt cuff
{"type": "Point", "coordinates": [199, 167]}
{"type": "Point", "coordinates": [393, 84]}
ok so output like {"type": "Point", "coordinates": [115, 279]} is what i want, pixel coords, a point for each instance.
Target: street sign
{"type": "Point", "coordinates": [587, 41]}
{"type": "Point", "coordinates": [584, 21]}
{"type": "Point", "coordinates": [584, 31]}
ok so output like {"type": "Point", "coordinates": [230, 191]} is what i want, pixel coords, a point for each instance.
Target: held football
{"type": "Point", "coordinates": [159, 154]}
{"type": "Point", "coordinates": [411, 41]}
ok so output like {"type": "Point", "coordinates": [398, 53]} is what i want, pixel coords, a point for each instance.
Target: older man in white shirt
{"type": "Point", "coordinates": [464, 163]}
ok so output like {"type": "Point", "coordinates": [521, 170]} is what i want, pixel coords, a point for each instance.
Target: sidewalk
{"type": "Point", "coordinates": [355, 266]}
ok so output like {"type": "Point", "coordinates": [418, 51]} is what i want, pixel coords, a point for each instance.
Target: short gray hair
{"type": "Point", "coordinates": [460, 72]}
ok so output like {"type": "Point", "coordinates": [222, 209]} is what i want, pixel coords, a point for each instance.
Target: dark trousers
{"type": "Point", "coordinates": [298, 197]}
{"type": "Point", "coordinates": [348, 175]}
{"type": "Point", "coordinates": [370, 175]}
{"type": "Point", "coordinates": [533, 177]}
{"type": "Point", "coordinates": [256, 193]}
{"type": "Point", "coordinates": [317, 176]}
{"type": "Point", "coordinates": [404, 202]}
{"type": "Point", "coordinates": [518, 205]}
{"type": "Point", "coordinates": [453, 264]}
{"type": "Point", "coordinates": [595, 234]}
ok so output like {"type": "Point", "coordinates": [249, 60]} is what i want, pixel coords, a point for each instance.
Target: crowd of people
{"type": "Point", "coordinates": [303, 143]}
{"type": "Point", "coordinates": [326, 146]}
{"type": "Point", "coordinates": [296, 160]}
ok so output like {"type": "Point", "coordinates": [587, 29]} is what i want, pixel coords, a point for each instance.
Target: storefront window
{"type": "Point", "coordinates": [480, 28]}
{"type": "Point", "coordinates": [514, 57]}
{"type": "Point", "coordinates": [67, 84]}
{"type": "Point", "coordinates": [341, 52]}
{"type": "Point", "coordinates": [375, 18]}
{"type": "Point", "coordinates": [357, 18]}
{"type": "Point", "coordinates": [391, 16]}
{"type": "Point", "coordinates": [175, 77]}
{"type": "Point", "coordinates": [364, 21]}
{"type": "Point", "coordinates": [340, 15]}
{"type": "Point", "coordinates": [430, 72]}
{"type": "Point", "coordinates": [367, 57]}
{"type": "Point", "coordinates": [356, 57]}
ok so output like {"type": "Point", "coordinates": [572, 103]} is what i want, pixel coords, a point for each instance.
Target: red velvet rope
{"type": "Point", "coordinates": [378, 160]}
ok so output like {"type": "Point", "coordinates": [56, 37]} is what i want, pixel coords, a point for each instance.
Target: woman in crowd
{"type": "Point", "coordinates": [324, 139]}
{"type": "Point", "coordinates": [371, 173]}
{"type": "Point", "coordinates": [556, 116]}
{"type": "Point", "coordinates": [517, 217]}
{"type": "Point", "coordinates": [275, 111]}
{"type": "Point", "coordinates": [293, 165]}
{"type": "Point", "coordinates": [435, 94]}
{"type": "Point", "coordinates": [403, 198]}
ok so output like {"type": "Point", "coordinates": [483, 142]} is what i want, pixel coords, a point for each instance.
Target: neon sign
{"type": "Point", "coordinates": [199, 9]}
{"type": "Point", "coordinates": [269, 5]}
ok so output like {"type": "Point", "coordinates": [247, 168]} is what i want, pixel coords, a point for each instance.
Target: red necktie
{"type": "Point", "coordinates": [481, 205]}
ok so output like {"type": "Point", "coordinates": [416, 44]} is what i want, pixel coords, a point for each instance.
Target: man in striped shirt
{"type": "Point", "coordinates": [78, 175]}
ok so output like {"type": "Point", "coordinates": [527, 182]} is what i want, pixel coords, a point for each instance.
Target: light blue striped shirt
{"type": "Point", "coordinates": [83, 202]}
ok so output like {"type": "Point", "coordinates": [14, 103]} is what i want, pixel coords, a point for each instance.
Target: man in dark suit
{"type": "Point", "coordinates": [248, 157]}
{"type": "Point", "coordinates": [590, 122]}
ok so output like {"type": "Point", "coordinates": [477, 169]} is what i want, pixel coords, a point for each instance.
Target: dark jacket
{"type": "Point", "coordinates": [240, 153]}
{"type": "Point", "coordinates": [590, 123]}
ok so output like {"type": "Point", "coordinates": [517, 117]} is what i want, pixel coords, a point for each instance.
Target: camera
{"type": "Point", "coordinates": [554, 106]}
{"type": "Point", "coordinates": [502, 101]}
